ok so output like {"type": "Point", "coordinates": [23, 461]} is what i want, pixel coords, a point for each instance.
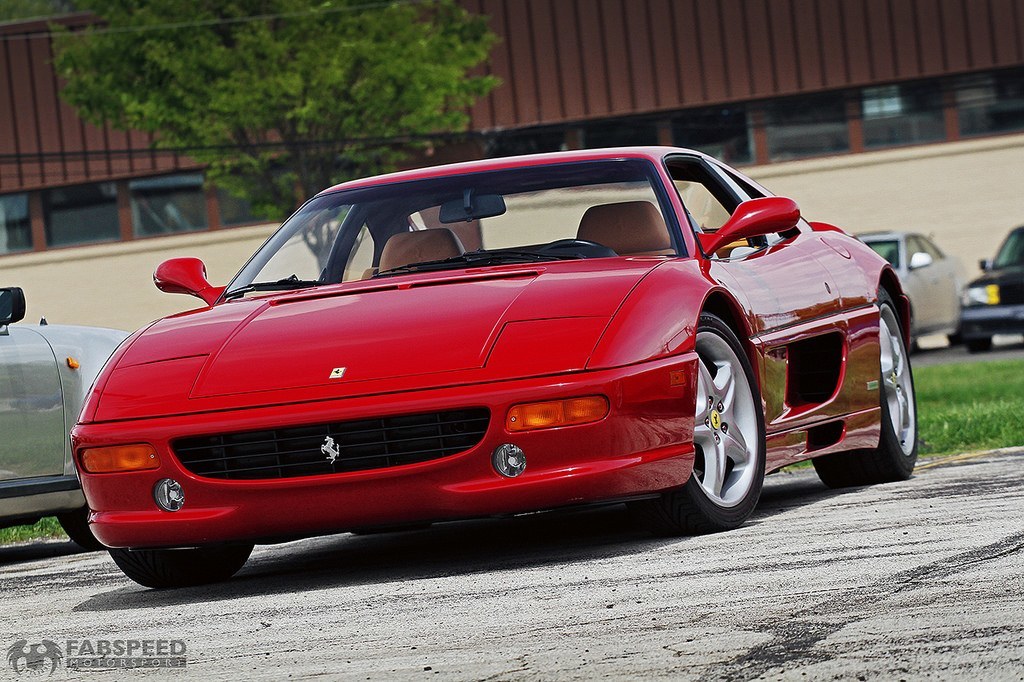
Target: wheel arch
{"type": "Point", "coordinates": [891, 284]}
{"type": "Point", "coordinates": [723, 306]}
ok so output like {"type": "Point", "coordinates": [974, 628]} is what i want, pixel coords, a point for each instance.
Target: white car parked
{"type": "Point", "coordinates": [45, 373]}
{"type": "Point", "coordinates": [931, 279]}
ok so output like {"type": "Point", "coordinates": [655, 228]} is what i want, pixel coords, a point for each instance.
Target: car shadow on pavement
{"type": "Point", "coordinates": [447, 549]}
{"type": "Point", "coordinates": [35, 551]}
{"type": "Point", "coordinates": [786, 489]}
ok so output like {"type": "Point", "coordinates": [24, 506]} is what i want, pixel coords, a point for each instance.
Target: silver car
{"type": "Point", "coordinates": [931, 279]}
{"type": "Point", "coordinates": [45, 374]}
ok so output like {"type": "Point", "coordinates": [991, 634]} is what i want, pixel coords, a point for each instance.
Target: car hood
{"type": "Point", "coordinates": [376, 336]}
{"type": "Point", "coordinates": [1013, 274]}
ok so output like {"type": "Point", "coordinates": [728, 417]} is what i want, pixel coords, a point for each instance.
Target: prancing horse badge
{"type": "Point", "coordinates": [337, 373]}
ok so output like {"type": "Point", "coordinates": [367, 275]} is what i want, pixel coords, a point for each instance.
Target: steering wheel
{"type": "Point", "coordinates": [585, 247]}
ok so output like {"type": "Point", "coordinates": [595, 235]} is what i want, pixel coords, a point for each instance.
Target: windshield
{"type": "Point", "coordinates": [889, 249]}
{"type": "Point", "coordinates": [523, 215]}
{"type": "Point", "coordinates": [1012, 251]}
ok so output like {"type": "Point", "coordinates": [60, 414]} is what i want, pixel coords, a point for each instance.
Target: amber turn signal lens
{"type": "Point", "coordinates": [119, 458]}
{"type": "Point", "coordinates": [546, 415]}
{"type": "Point", "coordinates": [992, 292]}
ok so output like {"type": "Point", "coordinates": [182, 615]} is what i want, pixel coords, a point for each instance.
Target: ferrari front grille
{"type": "Point", "coordinates": [332, 448]}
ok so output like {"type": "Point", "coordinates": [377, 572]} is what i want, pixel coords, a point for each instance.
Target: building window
{"type": "Point", "coordinates": [15, 229]}
{"type": "Point", "coordinates": [991, 103]}
{"type": "Point", "coordinates": [83, 214]}
{"type": "Point", "coordinates": [806, 126]}
{"type": "Point", "coordinates": [722, 132]}
{"type": "Point", "coordinates": [900, 114]}
{"type": "Point", "coordinates": [236, 211]}
{"type": "Point", "coordinates": [525, 142]}
{"type": "Point", "coordinates": [620, 133]}
{"type": "Point", "coordinates": [168, 204]}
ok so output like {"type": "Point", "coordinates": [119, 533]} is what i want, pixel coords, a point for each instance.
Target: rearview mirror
{"type": "Point", "coordinates": [12, 305]}
{"type": "Point", "coordinates": [985, 264]}
{"type": "Point", "coordinates": [753, 218]}
{"type": "Point", "coordinates": [186, 276]}
{"type": "Point", "coordinates": [471, 207]}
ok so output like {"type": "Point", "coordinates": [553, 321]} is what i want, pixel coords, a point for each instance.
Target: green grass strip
{"type": "Point", "coordinates": [970, 406]}
{"type": "Point", "coordinates": [45, 528]}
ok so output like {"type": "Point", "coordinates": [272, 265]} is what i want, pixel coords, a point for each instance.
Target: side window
{"type": "Point", "coordinates": [749, 189]}
{"type": "Point", "coordinates": [916, 244]}
{"type": "Point", "coordinates": [708, 203]}
{"type": "Point", "coordinates": [710, 196]}
{"type": "Point", "coordinates": [705, 209]}
{"type": "Point", "coordinates": [929, 247]}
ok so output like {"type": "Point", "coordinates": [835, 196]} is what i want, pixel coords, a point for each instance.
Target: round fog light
{"type": "Point", "coordinates": [168, 494]}
{"type": "Point", "coordinates": [509, 460]}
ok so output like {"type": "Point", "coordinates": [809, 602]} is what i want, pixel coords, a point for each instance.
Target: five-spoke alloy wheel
{"type": "Point", "coordinates": [725, 434]}
{"type": "Point", "coordinates": [728, 440]}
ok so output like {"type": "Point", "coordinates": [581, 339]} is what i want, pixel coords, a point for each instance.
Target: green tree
{"type": "Point", "coordinates": [280, 98]}
{"type": "Point", "coordinates": [11, 10]}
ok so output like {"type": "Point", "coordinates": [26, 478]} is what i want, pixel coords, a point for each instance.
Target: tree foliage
{"type": "Point", "coordinates": [11, 10]}
{"type": "Point", "coordinates": [280, 98]}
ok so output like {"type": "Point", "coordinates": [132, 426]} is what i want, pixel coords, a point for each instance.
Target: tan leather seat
{"type": "Point", "coordinates": [419, 246]}
{"type": "Point", "coordinates": [630, 228]}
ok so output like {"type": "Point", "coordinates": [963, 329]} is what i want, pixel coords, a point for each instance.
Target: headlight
{"type": "Point", "coordinates": [986, 295]}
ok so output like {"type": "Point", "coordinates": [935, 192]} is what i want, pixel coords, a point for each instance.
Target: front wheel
{"type": "Point", "coordinates": [181, 567]}
{"type": "Point", "coordinates": [728, 440]}
{"type": "Point", "coordinates": [896, 454]}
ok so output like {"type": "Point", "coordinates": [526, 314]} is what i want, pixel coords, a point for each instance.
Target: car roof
{"type": "Point", "coordinates": [653, 153]}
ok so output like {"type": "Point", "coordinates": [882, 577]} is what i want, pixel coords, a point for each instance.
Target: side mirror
{"type": "Point", "coordinates": [12, 305]}
{"type": "Point", "coordinates": [186, 276]}
{"type": "Point", "coordinates": [920, 260]}
{"type": "Point", "coordinates": [985, 264]}
{"type": "Point", "coordinates": [753, 218]}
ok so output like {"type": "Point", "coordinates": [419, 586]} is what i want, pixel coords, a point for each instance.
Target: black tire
{"type": "Point", "coordinates": [890, 461]}
{"type": "Point", "coordinates": [979, 345]}
{"type": "Point", "coordinates": [689, 510]}
{"type": "Point", "coordinates": [181, 567]}
{"type": "Point", "coordinates": [76, 525]}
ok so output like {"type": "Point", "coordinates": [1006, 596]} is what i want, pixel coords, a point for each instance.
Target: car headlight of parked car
{"type": "Point", "coordinates": [983, 295]}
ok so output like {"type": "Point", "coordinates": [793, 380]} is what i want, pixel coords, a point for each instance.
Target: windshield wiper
{"type": "Point", "coordinates": [479, 258]}
{"type": "Point", "coordinates": [290, 282]}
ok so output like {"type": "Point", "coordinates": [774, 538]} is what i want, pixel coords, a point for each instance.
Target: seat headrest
{"type": "Point", "coordinates": [418, 247]}
{"type": "Point", "coordinates": [628, 228]}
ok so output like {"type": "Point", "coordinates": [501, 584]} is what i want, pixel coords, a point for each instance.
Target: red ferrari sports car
{"type": "Point", "coordinates": [641, 324]}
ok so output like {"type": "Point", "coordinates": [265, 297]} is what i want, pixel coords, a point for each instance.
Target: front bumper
{"type": "Point", "coordinates": [643, 446]}
{"type": "Point", "coordinates": [981, 322]}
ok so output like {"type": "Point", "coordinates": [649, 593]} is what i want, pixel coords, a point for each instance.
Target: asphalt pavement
{"type": "Point", "coordinates": [915, 580]}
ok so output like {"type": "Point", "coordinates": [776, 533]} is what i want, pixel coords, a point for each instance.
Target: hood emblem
{"type": "Point", "coordinates": [330, 448]}
{"type": "Point", "coordinates": [337, 373]}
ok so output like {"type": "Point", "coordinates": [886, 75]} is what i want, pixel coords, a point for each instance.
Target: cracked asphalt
{"type": "Point", "coordinates": [922, 579]}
